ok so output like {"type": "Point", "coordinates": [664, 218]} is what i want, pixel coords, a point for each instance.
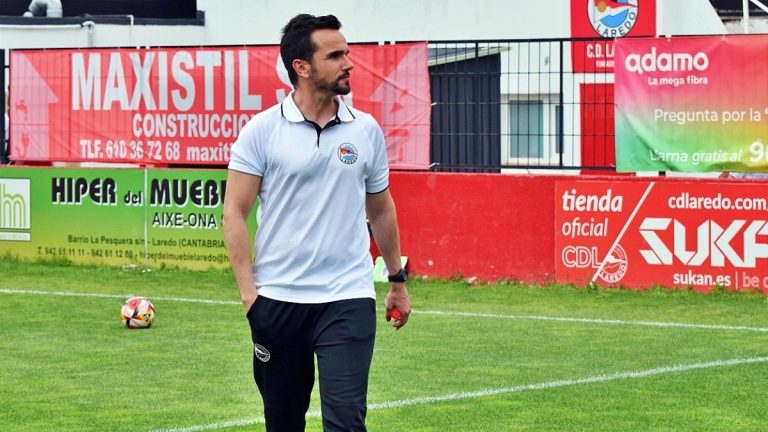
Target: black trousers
{"type": "Point", "coordinates": [286, 338]}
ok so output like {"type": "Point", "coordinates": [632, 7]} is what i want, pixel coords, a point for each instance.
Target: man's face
{"type": "Point", "coordinates": [330, 63]}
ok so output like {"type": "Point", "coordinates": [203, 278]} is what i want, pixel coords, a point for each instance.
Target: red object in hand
{"type": "Point", "coordinates": [396, 315]}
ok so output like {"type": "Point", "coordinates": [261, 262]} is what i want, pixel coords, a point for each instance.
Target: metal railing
{"type": "Point", "coordinates": [522, 104]}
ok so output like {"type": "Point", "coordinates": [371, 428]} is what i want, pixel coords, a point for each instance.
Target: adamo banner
{"type": "Point", "coordinates": [115, 216]}
{"type": "Point", "coordinates": [187, 105]}
{"type": "Point", "coordinates": [671, 234]}
{"type": "Point", "coordinates": [692, 104]}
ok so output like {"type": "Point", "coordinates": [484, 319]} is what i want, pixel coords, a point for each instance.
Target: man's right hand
{"type": "Point", "coordinates": [249, 301]}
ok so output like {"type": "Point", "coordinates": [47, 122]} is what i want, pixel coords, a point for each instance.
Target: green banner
{"type": "Point", "coordinates": [147, 217]}
{"type": "Point", "coordinates": [692, 104]}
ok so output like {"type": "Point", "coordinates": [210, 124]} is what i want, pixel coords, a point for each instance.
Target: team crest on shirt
{"type": "Point", "coordinates": [347, 153]}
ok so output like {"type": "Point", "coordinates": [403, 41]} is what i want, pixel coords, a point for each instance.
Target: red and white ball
{"type": "Point", "coordinates": [137, 312]}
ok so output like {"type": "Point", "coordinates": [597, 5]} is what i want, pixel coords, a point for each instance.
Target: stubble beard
{"type": "Point", "coordinates": [336, 87]}
{"type": "Point", "coordinates": [341, 89]}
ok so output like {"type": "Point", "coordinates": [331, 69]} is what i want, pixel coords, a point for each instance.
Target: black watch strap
{"type": "Point", "coordinates": [401, 276]}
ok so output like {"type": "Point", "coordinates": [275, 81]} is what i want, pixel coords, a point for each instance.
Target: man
{"type": "Point", "coordinates": [318, 167]}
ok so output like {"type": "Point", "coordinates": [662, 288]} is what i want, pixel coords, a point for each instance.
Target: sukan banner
{"type": "Point", "coordinates": [187, 105]}
{"type": "Point", "coordinates": [643, 234]}
{"type": "Point", "coordinates": [692, 104]}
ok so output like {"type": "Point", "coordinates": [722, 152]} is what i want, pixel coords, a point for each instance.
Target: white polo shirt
{"type": "Point", "coordinates": [312, 244]}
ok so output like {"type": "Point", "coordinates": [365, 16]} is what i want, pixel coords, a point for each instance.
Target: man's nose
{"type": "Point", "coordinates": [348, 65]}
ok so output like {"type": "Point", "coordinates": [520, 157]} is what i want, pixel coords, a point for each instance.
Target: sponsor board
{"type": "Point", "coordinates": [671, 112]}
{"type": "Point", "coordinates": [159, 106]}
{"type": "Point", "coordinates": [149, 217]}
{"type": "Point", "coordinates": [671, 234]}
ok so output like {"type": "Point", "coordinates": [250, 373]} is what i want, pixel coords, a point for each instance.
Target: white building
{"type": "Point", "coordinates": [238, 22]}
{"type": "Point", "coordinates": [250, 22]}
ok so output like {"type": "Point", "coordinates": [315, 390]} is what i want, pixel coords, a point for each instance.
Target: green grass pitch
{"type": "Point", "coordinates": [490, 358]}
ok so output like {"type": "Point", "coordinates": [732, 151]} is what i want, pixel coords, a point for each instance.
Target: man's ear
{"type": "Point", "coordinates": [301, 67]}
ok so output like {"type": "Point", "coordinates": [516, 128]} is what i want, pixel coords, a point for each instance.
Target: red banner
{"type": "Point", "coordinates": [607, 19]}
{"type": "Point", "coordinates": [187, 105]}
{"type": "Point", "coordinates": [672, 234]}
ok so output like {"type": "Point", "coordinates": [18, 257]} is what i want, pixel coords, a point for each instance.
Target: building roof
{"type": "Point", "coordinates": [730, 9]}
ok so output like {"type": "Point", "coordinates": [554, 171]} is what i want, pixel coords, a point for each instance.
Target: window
{"type": "Point", "coordinates": [530, 131]}
{"type": "Point", "coordinates": [526, 121]}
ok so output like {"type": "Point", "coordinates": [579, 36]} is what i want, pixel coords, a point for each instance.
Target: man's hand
{"type": "Point", "coordinates": [249, 301]}
{"type": "Point", "coordinates": [398, 299]}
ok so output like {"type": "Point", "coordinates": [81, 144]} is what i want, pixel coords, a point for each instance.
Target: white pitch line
{"type": "Point", "coordinates": [660, 324]}
{"type": "Point", "coordinates": [600, 321]}
{"type": "Point", "coordinates": [115, 296]}
{"type": "Point", "coordinates": [595, 379]}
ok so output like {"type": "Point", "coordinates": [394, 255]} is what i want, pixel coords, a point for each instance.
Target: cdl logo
{"type": "Point", "coordinates": [580, 257]}
{"type": "Point", "coordinates": [611, 269]}
{"type": "Point", "coordinates": [713, 245]}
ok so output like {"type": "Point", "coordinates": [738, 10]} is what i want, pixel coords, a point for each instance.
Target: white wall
{"type": "Point", "coordinates": [240, 21]}
{"type": "Point", "coordinates": [98, 35]}
{"type": "Point", "coordinates": [229, 22]}
{"type": "Point", "coordinates": [687, 17]}
{"type": "Point", "coordinates": [386, 20]}
{"type": "Point", "coordinates": [755, 25]}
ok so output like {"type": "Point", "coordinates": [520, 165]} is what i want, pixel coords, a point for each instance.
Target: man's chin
{"type": "Point", "coordinates": [342, 90]}
{"type": "Point", "coordinates": [342, 86]}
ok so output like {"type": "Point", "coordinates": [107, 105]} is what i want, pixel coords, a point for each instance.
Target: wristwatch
{"type": "Point", "coordinates": [401, 276]}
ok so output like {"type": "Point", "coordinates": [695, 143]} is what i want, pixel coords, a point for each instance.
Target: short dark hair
{"type": "Point", "coordinates": [296, 42]}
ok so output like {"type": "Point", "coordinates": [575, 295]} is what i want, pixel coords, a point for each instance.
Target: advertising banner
{"type": "Point", "coordinates": [183, 218]}
{"type": "Point", "coordinates": [671, 234]}
{"type": "Point", "coordinates": [608, 19]}
{"type": "Point", "coordinates": [115, 216]}
{"type": "Point", "coordinates": [692, 104]}
{"type": "Point", "coordinates": [187, 105]}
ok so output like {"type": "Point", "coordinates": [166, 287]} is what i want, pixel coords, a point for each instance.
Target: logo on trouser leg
{"type": "Point", "coordinates": [261, 353]}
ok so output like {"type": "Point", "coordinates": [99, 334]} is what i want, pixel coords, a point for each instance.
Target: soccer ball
{"type": "Point", "coordinates": [137, 312]}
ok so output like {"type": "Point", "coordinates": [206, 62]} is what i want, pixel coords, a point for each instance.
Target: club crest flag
{"type": "Point", "coordinates": [599, 22]}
